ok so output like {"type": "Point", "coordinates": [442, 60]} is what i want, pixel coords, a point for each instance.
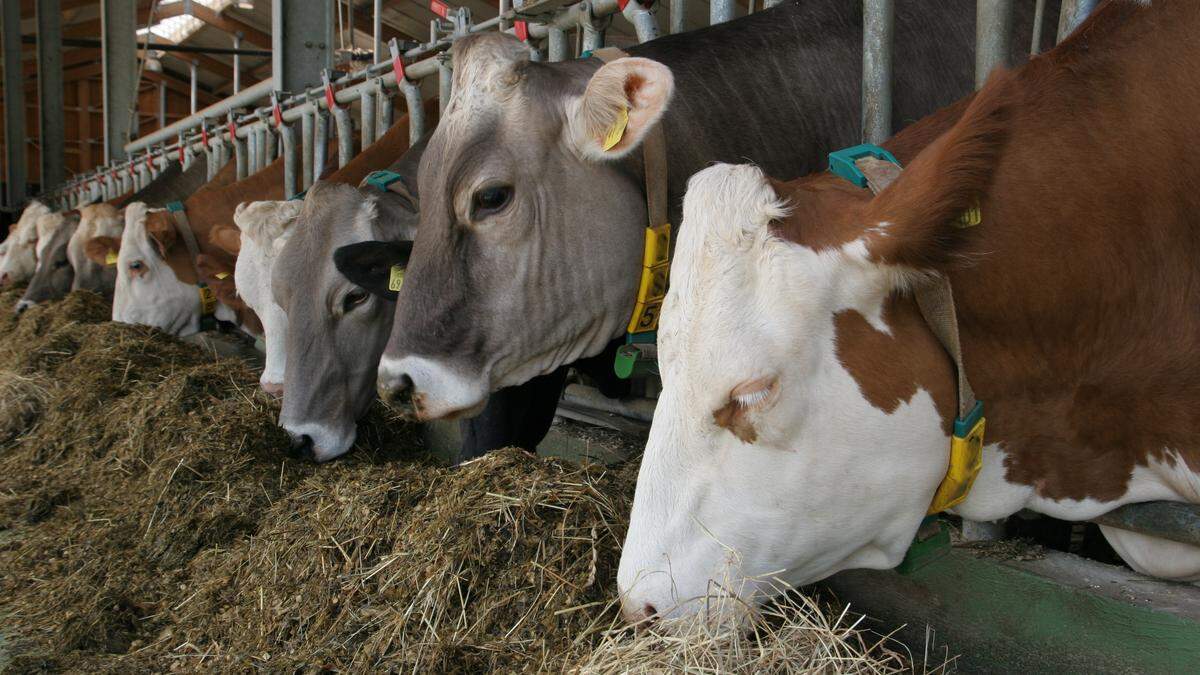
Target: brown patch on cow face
{"type": "Point", "coordinates": [735, 415]}
{"type": "Point", "coordinates": [890, 369]}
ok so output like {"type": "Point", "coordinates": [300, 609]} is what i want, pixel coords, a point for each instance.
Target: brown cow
{"type": "Point", "coordinates": [804, 425]}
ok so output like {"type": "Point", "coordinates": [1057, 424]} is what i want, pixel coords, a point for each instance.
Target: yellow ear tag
{"type": "Point", "coordinates": [617, 131]}
{"type": "Point", "coordinates": [110, 258]}
{"type": "Point", "coordinates": [396, 278]}
{"type": "Point", "coordinates": [971, 217]}
{"type": "Point", "coordinates": [222, 275]}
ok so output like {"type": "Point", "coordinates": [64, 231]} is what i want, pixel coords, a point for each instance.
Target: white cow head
{"type": "Point", "coordinates": [804, 422]}
{"type": "Point", "coordinates": [95, 220]}
{"type": "Point", "coordinates": [156, 278]}
{"type": "Point", "coordinates": [19, 249]}
{"type": "Point", "coordinates": [265, 228]}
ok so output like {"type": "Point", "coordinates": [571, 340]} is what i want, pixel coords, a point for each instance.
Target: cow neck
{"type": "Point", "coordinates": [656, 252]}
{"type": "Point", "coordinates": [208, 299]}
{"type": "Point", "coordinates": [873, 167]}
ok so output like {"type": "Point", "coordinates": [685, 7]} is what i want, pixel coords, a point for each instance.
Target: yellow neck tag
{"type": "Point", "coordinates": [222, 275]}
{"type": "Point", "coordinates": [971, 217]}
{"type": "Point", "coordinates": [617, 131]}
{"type": "Point", "coordinates": [208, 301]}
{"type": "Point", "coordinates": [110, 258]}
{"type": "Point", "coordinates": [966, 460]}
{"type": "Point", "coordinates": [396, 278]}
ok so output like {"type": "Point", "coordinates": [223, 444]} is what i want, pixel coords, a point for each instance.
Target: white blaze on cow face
{"type": "Point", "coordinates": [20, 254]}
{"type": "Point", "coordinates": [764, 454]}
{"type": "Point", "coordinates": [147, 291]}
{"type": "Point", "coordinates": [265, 228]}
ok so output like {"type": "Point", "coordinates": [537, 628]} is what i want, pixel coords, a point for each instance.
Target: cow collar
{"type": "Point", "coordinates": [871, 166]}
{"type": "Point", "coordinates": [638, 354]}
{"type": "Point", "coordinates": [208, 299]}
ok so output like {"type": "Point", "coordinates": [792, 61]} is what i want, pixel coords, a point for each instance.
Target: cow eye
{"type": "Point", "coordinates": [136, 266]}
{"type": "Point", "coordinates": [59, 264]}
{"type": "Point", "coordinates": [755, 394]}
{"type": "Point", "coordinates": [353, 299]}
{"type": "Point", "coordinates": [490, 200]}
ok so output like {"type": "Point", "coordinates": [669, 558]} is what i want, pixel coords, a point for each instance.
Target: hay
{"type": "Point", "coordinates": [149, 521]}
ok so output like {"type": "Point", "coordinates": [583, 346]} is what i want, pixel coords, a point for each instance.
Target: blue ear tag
{"type": "Point", "coordinates": [382, 179]}
{"type": "Point", "coordinates": [842, 162]}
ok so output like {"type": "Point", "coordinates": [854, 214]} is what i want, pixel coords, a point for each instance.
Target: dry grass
{"type": "Point", "coordinates": [149, 522]}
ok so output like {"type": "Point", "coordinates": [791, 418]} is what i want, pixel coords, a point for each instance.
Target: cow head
{"type": "Point", "coordinates": [336, 328]}
{"type": "Point", "coordinates": [518, 187]}
{"type": "Point", "coordinates": [53, 276]}
{"type": "Point", "coordinates": [265, 227]}
{"type": "Point", "coordinates": [804, 422]}
{"type": "Point", "coordinates": [156, 279]}
{"type": "Point", "coordinates": [20, 248]}
{"type": "Point", "coordinates": [96, 274]}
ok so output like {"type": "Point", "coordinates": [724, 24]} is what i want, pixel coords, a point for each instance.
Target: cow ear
{"type": "Point", "coordinates": [398, 214]}
{"type": "Point", "coordinates": [161, 231]}
{"type": "Point", "coordinates": [923, 219]}
{"type": "Point", "coordinates": [214, 272]}
{"type": "Point", "coordinates": [623, 101]}
{"type": "Point", "coordinates": [98, 249]}
{"type": "Point", "coordinates": [228, 239]}
{"type": "Point", "coordinates": [369, 264]}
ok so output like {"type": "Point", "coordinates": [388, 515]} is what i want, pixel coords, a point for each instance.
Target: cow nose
{"type": "Point", "coordinates": [24, 305]}
{"type": "Point", "coordinates": [274, 388]}
{"type": "Point", "coordinates": [302, 447]}
{"type": "Point", "coordinates": [397, 393]}
{"type": "Point", "coordinates": [4, 279]}
{"type": "Point", "coordinates": [639, 614]}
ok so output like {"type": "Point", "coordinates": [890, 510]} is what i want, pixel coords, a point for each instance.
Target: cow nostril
{"type": "Point", "coordinates": [302, 447]}
{"type": "Point", "coordinates": [649, 614]}
{"type": "Point", "coordinates": [4, 279]}
{"type": "Point", "coordinates": [23, 305]}
{"type": "Point", "coordinates": [273, 388]}
{"type": "Point", "coordinates": [399, 394]}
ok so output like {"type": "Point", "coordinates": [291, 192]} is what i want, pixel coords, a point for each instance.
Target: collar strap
{"type": "Point", "coordinates": [638, 354]}
{"type": "Point", "coordinates": [208, 299]}
{"type": "Point", "coordinates": [871, 166]}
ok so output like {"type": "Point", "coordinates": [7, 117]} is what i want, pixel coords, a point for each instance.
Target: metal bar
{"type": "Point", "coordinates": [192, 70]}
{"type": "Point", "coordinates": [288, 136]}
{"type": "Point", "coordinates": [1173, 521]}
{"type": "Point", "coordinates": [251, 154]}
{"type": "Point", "coordinates": [377, 30]}
{"type": "Point", "coordinates": [878, 29]}
{"type": "Point", "coordinates": [593, 38]}
{"type": "Point", "coordinates": [1073, 13]}
{"type": "Point", "coordinates": [219, 109]}
{"type": "Point", "coordinates": [162, 105]}
{"type": "Point", "coordinates": [416, 112]}
{"type": "Point", "coordinates": [720, 11]}
{"type": "Point", "coordinates": [557, 48]}
{"type": "Point", "coordinates": [768, 4]}
{"type": "Point", "coordinates": [241, 156]}
{"type": "Point", "coordinates": [993, 34]}
{"type": "Point", "coordinates": [345, 134]}
{"type": "Point", "coordinates": [119, 57]}
{"type": "Point", "coordinates": [1039, 18]}
{"type": "Point", "coordinates": [445, 82]}
{"type": "Point", "coordinates": [164, 47]}
{"type": "Point", "coordinates": [367, 110]}
{"type": "Point", "coordinates": [384, 119]}
{"type": "Point", "coordinates": [301, 43]}
{"type": "Point", "coordinates": [678, 16]}
{"type": "Point", "coordinates": [14, 107]}
{"type": "Point", "coordinates": [320, 144]}
{"type": "Point", "coordinates": [51, 120]}
{"type": "Point", "coordinates": [306, 148]}
{"type": "Point", "coordinates": [643, 18]}
{"type": "Point", "coordinates": [237, 62]}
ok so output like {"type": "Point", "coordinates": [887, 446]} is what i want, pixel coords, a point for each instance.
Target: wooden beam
{"type": "Point", "coordinates": [27, 6]}
{"type": "Point", "coordinates": [74, 57]}
{"type": "Point", "coordinates": [219, 21]}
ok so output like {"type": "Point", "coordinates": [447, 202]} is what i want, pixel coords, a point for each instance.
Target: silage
{"type": "Point", "coordinates": [150, 521]}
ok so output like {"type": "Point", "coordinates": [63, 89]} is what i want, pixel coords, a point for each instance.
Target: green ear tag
{"type": "Point", "coordinates": [396, 278]}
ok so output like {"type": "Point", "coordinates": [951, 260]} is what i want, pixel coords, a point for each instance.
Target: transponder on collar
{"type": "Point", "coordinates": [381, 179]}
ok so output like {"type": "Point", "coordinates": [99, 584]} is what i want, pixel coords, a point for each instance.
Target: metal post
{"type": "Point", "coordinates": [288, 136]}
{"type": "Point", "coordinates": [301, 42]}
{"type": "Point", "coordinates": [210, 163]}
{"type": "Point", "coordinates": [1039, 17]}
{"type": "Point", "coordinates": [878, 27]}
{"type": "Point", "coordinates": [51, 122]}
{"type": "Point", "coordinates": [252, 152]}
{"type": "Point", "coordinates": [14, 107]}
{"type": "Point", "coordinates": [678, 16]}
{"type": "Point", "coordinates": [720, 11]}
{"type": "Point", "coordinates": [768, 4]}
{"type": "Point", "coordinates": [505, 6]}
{"type": "Point", "coordinates": [643, 18]}
{"type": "Point", "coordinates": [162, 105]}
{"type": "Point", "coordinates": [192, 68]}
{"type": "Point", "coordinates": [557, 47]}
{"type": "Point", "coordinates": [445, 82]}
{"type": "Point", "coordinates": [367, 128]}
{"type": "Point", "coordinates": [383, 120]}
{"type": "Point", "coordinates": [119, 58]}
{"type": "Point", "coordinates": [377, 26]}
{"type": "Point", "coordinates": [416, 111]}
{"type": "Point", "coordinates": [237, 63]}
{"type": "Point", "coordinates": [345, 134]}
{"type": "Point", "coordinates": [320, 143]}
{"type": "Point", "coordinates": [306, 147]}
{"type": "Point", "coordinates": [1073, 13]}
{"type": "Point", "coordinates": [993, 34]}
{"type": "Point", "coordinates": [240, 153]}
{"type": "Point", "coordinates": [593, 37]}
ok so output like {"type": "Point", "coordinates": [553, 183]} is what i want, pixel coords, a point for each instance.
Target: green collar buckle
{"type": "Point", "coordinates": [381, 179]}
{"type": "Point", "coordinates": [842, 162]}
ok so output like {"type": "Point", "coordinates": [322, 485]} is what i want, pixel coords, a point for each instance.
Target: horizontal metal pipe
{"type": "Point", "coordinates": [157, 46]}
{"type": "Point", "coordinates": [1174, 521]}
{"type": "Point", "coordinates": [241, 99]}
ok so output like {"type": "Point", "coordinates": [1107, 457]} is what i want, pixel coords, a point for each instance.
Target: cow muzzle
{"type": "Point", "coordinates": [23, 305]}
{"type": "Point", "coordinates": [423, 389]}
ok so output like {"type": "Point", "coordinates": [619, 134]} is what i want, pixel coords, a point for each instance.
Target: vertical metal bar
{"type": "Point", "coordinates": [306, 147]}
{"type": "Point", "coordinates": [320, 143]}
{"type": "Point", "coordinates": [237, 63]}
{"type": "Point", "coordinates": [416, 111]}
{"type": "Point", "coordinates": [643, 18]}
{"type": "Point", "coordinates": [993, 35]}
{"type": "Point", "coordinates": [878, 29]}
{"type": "Point", "coordinates": [14, 107]}
{"type": "Point", "coordinates": [720, 11]}
{"type": "Point", "coordinates": [252, 152]}
{"type": "Point", "coordinates": [768, 4]}
{"type": "Point", "coordinates": [301, 43]}
{"type": "Point", "coordinates": [377, 28]}
{"type": "Point", "coordinates": [593, 38]}
{"type": "Point", "coordinates": [678, 16]}
{"type": "Point", "coordinates": [272, 146]}
{"type": "Point", "coordinates": [505, 7]}
{"type": "Point", "coordinates": [1039, 18]}
{"type": "Point", "coordinates": [241, 156]}
{"type": "Point", "coordinates": [51, 120]}
{"type": "Point", "coordinates": [345, 134]}
{"type": "Point", "coordinates": [557, 44]}
{"type": "Point", "coordinates": [1073, 13]}
{"type": "Point", "coordinates": [288, 136]}
{"type": "Point", "coordinates": [383, 120]}
{"type": "Point", "coordinates": [445, 82]}
{"type": "Point", "coordinates": [367, 109]}
{"type": "Point", "coordinates": [162, 105]}
{"type": "Point", "coordinates": [192, 69]}
{"type": "Point", "coordinates": [119, 58]}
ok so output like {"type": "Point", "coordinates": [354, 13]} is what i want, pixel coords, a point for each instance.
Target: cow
{"type": "Point", "coordinates": [53, 274]}
{"type": "Point", "coordinates": [19, 250]}
{"type": "Point", "coordinates": [263, 229]}
{"type": "Point", "coordinates": [529, 249]}
{"type": "Point", "coordinates": [805, 421]}
{"type": "Point", "coordinates": [96, 221]}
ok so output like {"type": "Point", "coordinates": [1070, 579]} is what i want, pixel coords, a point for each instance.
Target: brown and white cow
{"type": "Point", "coordinates": [53, 274]}
{"type": "Point", "coordinates": [95, 220]}
{"type": "Point", "coordinates": [804, 423]}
